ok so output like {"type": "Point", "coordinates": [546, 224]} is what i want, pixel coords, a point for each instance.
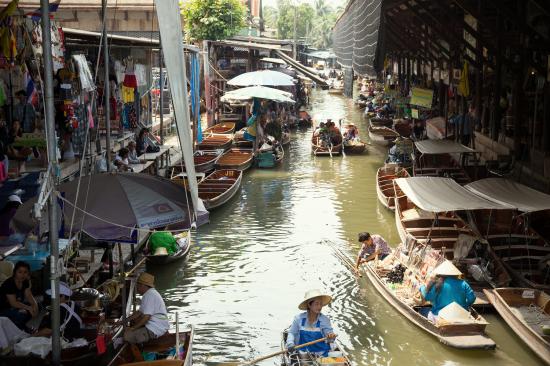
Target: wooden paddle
{"type": "Point", "coordinates": [248, 363]}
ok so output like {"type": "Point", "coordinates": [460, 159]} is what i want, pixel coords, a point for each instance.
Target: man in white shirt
{"type": "Point", "coordinates": [151, 320]}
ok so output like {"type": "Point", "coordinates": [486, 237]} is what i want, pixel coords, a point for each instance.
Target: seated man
{"type": "Point", "coordinates": [374, 247]}
{"type": "Point", "coordinates": [151, 320]}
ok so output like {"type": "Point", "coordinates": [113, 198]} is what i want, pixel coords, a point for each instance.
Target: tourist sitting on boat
{"type": "Point", "coordinates": [334, 133]}
{"type": "Point", "coordinates": [16, 299]}
{"type": "Point", "coordinates": [121, 160]}
{"type": "Point", "coordinates": [374, 247]}
{"type": "Point", "coordinates": [446, 288]}
{"type": "Point", "coordinates": [151, 320]}
{"type": "Point", "coordinates": [71, 323]}
{"type": "Point", "coordinates": [351, 133]}
{"type": "Point", "coordinates": [311, 325]}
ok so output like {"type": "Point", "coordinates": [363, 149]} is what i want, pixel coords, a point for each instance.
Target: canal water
{"type": "Point", "coordinates": [250, 267]}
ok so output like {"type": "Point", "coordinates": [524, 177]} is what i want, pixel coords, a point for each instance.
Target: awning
{"type": "Point", "coordinates": [436, 194]}
{"type": "Point", "coordinates": [302, 69]}
{"type": "Point", "coordinates": [273, 60]}
{"type": "Point", "coordinates": [507, 192]}
{"type": "Point", "coordinates": [441, 147]}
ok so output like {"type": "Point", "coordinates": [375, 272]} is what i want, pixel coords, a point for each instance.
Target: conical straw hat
{"type": "Point", "coordinates": [454, 313]}
{"type": "Point", "coordinates": [447, 269]}
{"type": "Point", "coordinates": [312, 294]}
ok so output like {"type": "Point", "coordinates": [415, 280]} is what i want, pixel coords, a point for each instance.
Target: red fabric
{"type": "Point", "coordinates": [3, 175]}
{"type": "Point", "coordinates": [114, 109]}
{"type": "Point", "coordinates": [130, 81]}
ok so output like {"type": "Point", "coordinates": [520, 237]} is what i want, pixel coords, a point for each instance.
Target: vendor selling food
{"type": "Point", "coordinates": [374, 247]}
{"type": "Point", "coordinates": [446, 287]}
{"type": "Point", "coordinates": [151, 320]}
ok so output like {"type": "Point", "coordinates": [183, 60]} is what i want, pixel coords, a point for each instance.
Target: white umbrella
{"type": "Point", "coordinates": [263, 77]}
{"type": "Point", "coordinates": [260, 92]}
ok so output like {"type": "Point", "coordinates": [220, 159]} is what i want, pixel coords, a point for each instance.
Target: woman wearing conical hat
{"type": "Point", "coordinates": [446, 288]}
{"type": "Point", "coordinates": [311, 325]}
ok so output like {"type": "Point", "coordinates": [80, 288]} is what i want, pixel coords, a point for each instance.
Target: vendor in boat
{"type": "Point", "coordinates": [374, 247]}
{"type": "Point", "coordinates": [71, 323]}
{"type": "Point", "coordinates": [446, 287]}
{"type": "Point", "coordinates": [16, 300]}
{"type": "Point", "coordinates": [311, 325]}
{"type": "Point", "coordinates": [151, 320]}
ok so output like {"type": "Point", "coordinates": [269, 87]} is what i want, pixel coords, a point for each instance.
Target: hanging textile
{"type": "Point", "coordinates": [195, 95]}
{"type": "Point", "coordinates": [86, 78]}
{"type": "Point", "coordinates": [128, 95]}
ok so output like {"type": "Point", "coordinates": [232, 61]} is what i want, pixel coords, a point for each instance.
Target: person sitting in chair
{"type": "Point", "coordinates": [151, 320]}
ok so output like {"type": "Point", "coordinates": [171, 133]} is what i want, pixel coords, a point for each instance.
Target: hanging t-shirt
{"type": "Point", "coordinates": [153, 304]}
{"type": "Point", "coordinates": [128, 94]}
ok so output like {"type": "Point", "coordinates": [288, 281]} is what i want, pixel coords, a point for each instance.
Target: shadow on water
{"type": "Point", "coordinates": [250, 267]}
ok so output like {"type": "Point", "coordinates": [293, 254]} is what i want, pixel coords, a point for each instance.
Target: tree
{"type": "Point", "coordinates": [321, 8]}
{"type": "Point", "coordinates": [212, 19]}
{"type": "Point", "coordinates": [305, 15]}
{"type": "Point", "coordinates": [270, 15]}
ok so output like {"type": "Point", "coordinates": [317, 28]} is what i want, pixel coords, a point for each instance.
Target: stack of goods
{"type": "Point", "coordinates": [396, 275]}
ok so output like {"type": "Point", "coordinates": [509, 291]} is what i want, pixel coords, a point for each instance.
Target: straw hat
{"type": "Point", "coordinates": [447, 269]}
{"type": "Point", "coordinates": [312, 294]}
{"type": "Point", "coordinates": [161, 251]}
{"type": "Point", "coordinates": [146, 279]}
{"type": "Point", "coordinates": [454, 313]}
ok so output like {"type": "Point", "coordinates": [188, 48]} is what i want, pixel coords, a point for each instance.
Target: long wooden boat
{"type": "Point", "coordinates": [238, 159]}
{"type": "Point", "coordinates": [525, 310]}
{"type": "Point", "coordinates": [464, 335]}
{"type": "Point", "coordinates": [221, 128]}
{"type": "Point", "coordinates": [380, 122]}
{"type": "Point", "coordinates": [240, 141]}
{"type": "Point", "coordinates": [161, 346]}
{"type": "Point", "coordinates": [215, 142]}
{"type": "Point", "coordinates": [204, 160]}
{"type": "Point", "coordinates": [319, 149]}
{"type": "Point", "coordinates": [354, 145]}
{"type": "Point", "coordinates": [382, 135]}
{"type": "Point", "coordinates": [307, 359]}
{"type": "Point", "coordinates": [219, 187]}
{"type": "Point", "coordinates": [519, 246]}
{"type": "Point", "coordinates": [184, 247]}
{"type": "Point", "coordinates": [384, 183]}
{"type": "Point", "coordinates": [442, 231]}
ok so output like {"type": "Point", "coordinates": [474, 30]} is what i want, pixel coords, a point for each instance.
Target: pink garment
{"type": "Point", "coordinates": [3, 175]}
{"type": "Point", "coordinates": [90, 117]}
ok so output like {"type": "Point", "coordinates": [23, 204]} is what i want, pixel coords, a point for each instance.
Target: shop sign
{"type": "Point", "coordinates": [422, 97]}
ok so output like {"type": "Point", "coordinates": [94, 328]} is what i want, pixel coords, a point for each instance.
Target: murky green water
{"type": "Point", "coordinates": [251, 265]}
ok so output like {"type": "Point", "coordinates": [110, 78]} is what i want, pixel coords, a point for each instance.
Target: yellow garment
{"type": "Point", "coordinates": [464, 84]}
{"type": "Point", "coordinates": [127, 94]}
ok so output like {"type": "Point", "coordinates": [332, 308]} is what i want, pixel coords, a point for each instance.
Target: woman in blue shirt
{"type": "Point", "coordinates": [446, 288]}
{"type": "Point", "coordinates": [311, 325]}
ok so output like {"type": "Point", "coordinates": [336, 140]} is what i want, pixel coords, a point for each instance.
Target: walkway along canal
{"type": "Point", "coordinates": [250, 267]}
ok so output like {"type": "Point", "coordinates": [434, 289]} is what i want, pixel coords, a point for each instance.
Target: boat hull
{"type": "Point", "coordinates": [221, 128]}
{"type": "Point", "coordinates": [219, 187]}
{"type": "Point", "coordinates": [182, 253]}
{"type": "Point", "coordinates": [215, 142]}
{"type": "Point", "coordinates": [238, 159]}
{"type": "Point", "coordinates": [382, 136]}
{"type": "Point", "coordinates": [384, 184]}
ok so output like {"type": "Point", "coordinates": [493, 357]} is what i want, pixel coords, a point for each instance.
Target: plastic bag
{"type": "Point", "coordinates": [39, 346]}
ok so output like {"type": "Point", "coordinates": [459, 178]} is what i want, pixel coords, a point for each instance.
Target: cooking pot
{"type": "Point", "coordinates": [85, 296]}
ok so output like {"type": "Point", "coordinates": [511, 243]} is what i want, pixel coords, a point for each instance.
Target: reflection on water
{"type": "Point", "coordinates": [250, 267]}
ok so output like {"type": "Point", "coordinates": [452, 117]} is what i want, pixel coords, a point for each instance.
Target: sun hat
{"type": "Point", "coordinates": [454, 313]}
{"type": "Point", "coordinates": [15, 198]}
{"type": "Point", "coordinates": [161, 251]}
{"type": "Point", "coordinates": [146, 279]}
{"type": "Point", "coordinates": [312, 294]}
{"type": "Point", "coordinates": [446, 269]}
{"type": "Point", "coordinates": [64, 289]}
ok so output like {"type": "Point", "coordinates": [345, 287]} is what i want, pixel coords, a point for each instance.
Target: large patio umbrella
{"type": "Point", "coordinates": [116, 204]}
{"type": "Point", "coordinates": [262, 77]}
{"type": "Point", "coordinates": [260, 92]}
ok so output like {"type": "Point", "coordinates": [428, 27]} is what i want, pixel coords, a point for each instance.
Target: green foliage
{"type": "Point", "coordinates": [304, 14]}
{"type": "Point", "coordinates": [212, 19]}
{"type": "Point", "coordinates": [270, 15]}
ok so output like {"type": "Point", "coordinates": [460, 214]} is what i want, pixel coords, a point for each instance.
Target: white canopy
{"type": "Point", "coordinates": [260, 92]}
{"type": "Point", "coordinates": [436, 194]}
{"type": "Point", "coordinates": [441, 147]}
{"type": "Point", "coordinates": [505, 191]}
{"type": "Point", "coordinates": [262, 77]}
{"type": "Point", "coordinates": [273, 60]}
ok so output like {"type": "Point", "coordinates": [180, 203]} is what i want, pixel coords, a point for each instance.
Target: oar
{"type": "Point", "coordinates": [248, 363]}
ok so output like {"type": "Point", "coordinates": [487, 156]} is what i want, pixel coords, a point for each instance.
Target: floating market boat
{"type": "Point", "coordinates": [384, 183]}
{"type": "Point", "coordinates": [183, 244]}
{"type": "Point", "coordinates": [320, 148]}
{"type": "Point", "coordinates": [221, 128]}
{"type": "Point", "coordinates": [336, 91]}
{"type": "Point", "coordinates": [215, 142]}
{"type": "Point", "coordinates": [219, 187]}
{"type": "Point", "coordinates": [467, 333]}
{"type": "Point", "coordinates": [352, 145]}
{"type": "Point", "coordinates": [238, 159]}
{"type": "Point", "coordinates": [527, 312]}
{"type": "Point", "coordinates": [337, 357]}
{"type": "Point", "coordinates": [382, 135]}
{"type": "Point", "coordinates": [240, 141]}
{"type": "Point", "coordinates": [380, 122]}
{"type": "Point", "coordinates": [204, 160]}
{"type": "Point", "coordinates": [304, 120]}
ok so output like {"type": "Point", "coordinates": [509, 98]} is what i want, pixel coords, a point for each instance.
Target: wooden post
{"type": "Point", "coordinates": [207, 77]}
{"type": "Point", "coordinates": [495, 121]}
{"type": "Point", "coordinates": [546, 119]}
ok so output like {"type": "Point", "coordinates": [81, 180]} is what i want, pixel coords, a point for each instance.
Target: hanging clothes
{"type": "Point", "coordinates": [128, 94]}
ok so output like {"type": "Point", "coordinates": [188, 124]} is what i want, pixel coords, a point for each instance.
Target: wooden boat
{"type": "Point", "coordinates": [354, 145]}
{"type": "Point", "coordinates": [304, 120]}
{"type": "Point", "coordinates": [380, 122]}
{"type": "Point", "coordinates": [161, 346]}
{"type": "Point", "coordinates": [307, 359]}
{"type": "Point", "coordinates": [270, 158]}
{"type": "Point", "coordinates": [319, 149]}
{"type": "Point", "coordinates": [464, 335]}
{"type": "Point", "coordinates": [436, 158]}
{"type": "Point", "coordinates": [238, 159]}
{"type": "Point", "coordinates": [382, 135]}
{"type": "Point", "coordinates": [336, 91]}
{"type": "Point", "coordinates": [215, 142]}
{"type": "Point", "coordinates": [384, 183]}
{"type": "Point", "coordinates": [221, 128]}
{"type": "Point", "coordinates": [240, 141]}
{"type": "Point", "coordinates": [184, 247]}
{"type": "Point", "coordinates": [525, 310]}
{"type": "Point", "coordinates": [218, 188]}
{"type": "Point", "coordinates": [205, 161]}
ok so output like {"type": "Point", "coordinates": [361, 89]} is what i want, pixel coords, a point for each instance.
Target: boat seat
{"type": "Point", "coordinates": [163, 342]}
{"type": "Point", "coordinates": [413, 214]}
{"type": "Point", "coordinates": [441, 219]}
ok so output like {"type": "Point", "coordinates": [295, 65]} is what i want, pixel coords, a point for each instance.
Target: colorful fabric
{"type": "Point", "coordinates": [128, 95]}
{"type": "Point", "coordinates": [130, 81]}
{"type": "Point", "coordinates": [163, 239]}
{"type": "Point", "coordinates": [380, 245]}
